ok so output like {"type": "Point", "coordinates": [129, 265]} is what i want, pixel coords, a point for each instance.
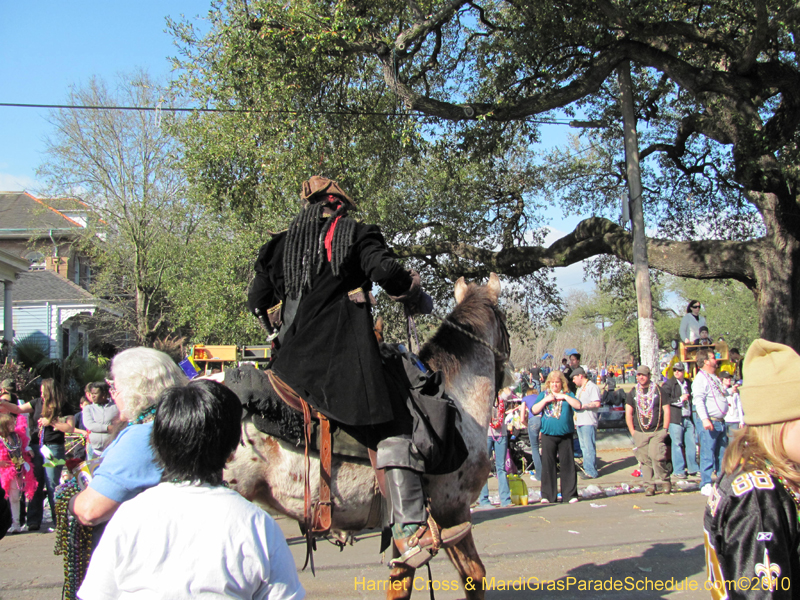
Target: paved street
{"type": "Point", "coordinates": [627, 540]}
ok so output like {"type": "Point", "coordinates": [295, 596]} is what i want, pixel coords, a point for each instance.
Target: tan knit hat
{"type": "Point", "coordinates": [772, 380]}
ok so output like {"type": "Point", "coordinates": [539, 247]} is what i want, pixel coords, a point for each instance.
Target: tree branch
{"type": "Point", "coordinates": [757, 42]}
{"type": "Point", "coordinates": [422, 28]}
{"type": "Point", "coordinates": [707, 259]}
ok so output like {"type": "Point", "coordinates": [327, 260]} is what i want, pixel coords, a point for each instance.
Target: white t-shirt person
{"type": "Point", "coordinates": [587, 394]}
{"type": "Point", "coordinates": [181, 541]}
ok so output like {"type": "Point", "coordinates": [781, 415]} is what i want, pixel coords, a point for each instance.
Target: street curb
{"type": "Point", "coordinates": [612, 439]}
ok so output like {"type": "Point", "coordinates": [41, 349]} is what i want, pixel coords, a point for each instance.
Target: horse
{"type": "Point", "coordinates": [470, 348]}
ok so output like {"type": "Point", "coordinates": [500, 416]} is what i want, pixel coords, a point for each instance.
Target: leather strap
{"type": "Point", "coordinates": [322, 520]}
{"type": "Point", "coordinates": [317, 517]}
{"type": "Point", "coordinates": [284, 392]}
{"type": "Point", "coordinates": [380, 474]}
{"type": "Point", "coordinates": [307, 513]}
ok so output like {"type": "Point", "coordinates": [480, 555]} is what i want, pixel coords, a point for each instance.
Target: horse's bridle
{"type": "Point", "coordinates": [502, 355]}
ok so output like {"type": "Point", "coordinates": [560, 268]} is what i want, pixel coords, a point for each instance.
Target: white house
{"type": "Point", "coordinates": [48, 279]}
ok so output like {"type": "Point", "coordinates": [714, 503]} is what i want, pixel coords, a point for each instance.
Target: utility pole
{"type": "Point", "coordinates": [603, 328]}
{"type": "Point", "coordinates": [648, 339]}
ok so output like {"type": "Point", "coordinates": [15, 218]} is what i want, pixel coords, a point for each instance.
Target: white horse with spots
{"type": "Point", "coordinates": [471, 355]}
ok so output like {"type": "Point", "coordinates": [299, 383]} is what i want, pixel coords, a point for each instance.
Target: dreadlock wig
{"type": "Point", "coordinates": [321, 231]}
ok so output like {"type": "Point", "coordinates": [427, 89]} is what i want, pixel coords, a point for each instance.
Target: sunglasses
{"type": "Point", "coordinates": [696, 306]}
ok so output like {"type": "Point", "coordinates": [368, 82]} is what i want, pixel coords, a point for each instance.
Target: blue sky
{"type": "Point", "coordinates": [46, 46]}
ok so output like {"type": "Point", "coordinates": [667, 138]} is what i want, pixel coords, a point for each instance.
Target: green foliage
{"type": "Point", "coordinates": [33, 363]}
{"type": "Point", "coordinates": [210, 299]}
{"type": "Point", "coordinates": [92, 372]}
{"type": "Point", "coordinates": [33, 353]}
{"type": "Point", "coordinates": [101, 361]}
{"type": "Point", "coordinates": [614, 303]}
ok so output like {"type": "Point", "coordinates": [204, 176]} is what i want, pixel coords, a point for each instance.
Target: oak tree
{"type": "Point", "coordinates": [717, 94]}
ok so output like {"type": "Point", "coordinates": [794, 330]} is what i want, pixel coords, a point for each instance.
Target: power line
{"type": "Point", "coordinates": [283, 112]}
{"type": "Point", "coordinates": [184, 109]}
{"type": "Point", "coordinates": [244, 110]}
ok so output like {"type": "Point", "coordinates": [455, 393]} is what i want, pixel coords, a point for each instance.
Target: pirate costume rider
{"type": "Point", "coordinates": [312, 287]}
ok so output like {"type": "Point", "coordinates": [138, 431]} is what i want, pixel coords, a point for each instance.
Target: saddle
{"type": "Point", "coordinates": [277, 410]}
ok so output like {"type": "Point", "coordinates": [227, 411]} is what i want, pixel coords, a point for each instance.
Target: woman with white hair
{"type": "Point", "coordinates": [138, 376]}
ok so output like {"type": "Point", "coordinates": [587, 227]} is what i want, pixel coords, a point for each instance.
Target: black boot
{"type": "Point", "coordinates": [407, 497]}
{"type": "Point", "coordinates": [417, 537]}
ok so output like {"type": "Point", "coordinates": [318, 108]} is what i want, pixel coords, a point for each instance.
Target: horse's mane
{"type": "Point", "coordinates": [447, 350]}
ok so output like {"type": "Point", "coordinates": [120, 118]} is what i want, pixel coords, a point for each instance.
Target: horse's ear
{"type": "Point", "coordinates": [494, 287]}
{"type": "Point", "coordinates": [461, 290]}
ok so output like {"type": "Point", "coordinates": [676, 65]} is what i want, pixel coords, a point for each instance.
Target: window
{"type": "Point", "coordinates": [36, 261]}
{"type": "Point", "coordinates": [64, 342]}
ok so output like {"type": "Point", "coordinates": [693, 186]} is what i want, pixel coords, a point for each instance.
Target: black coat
{"type": "Point", "coordinates": [329, 354]}
{"type": "Point", "coordinates": [672, 393]}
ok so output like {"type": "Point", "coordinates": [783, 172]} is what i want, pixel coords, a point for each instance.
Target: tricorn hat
{"type": "Point", "coordinates": [316, 188]}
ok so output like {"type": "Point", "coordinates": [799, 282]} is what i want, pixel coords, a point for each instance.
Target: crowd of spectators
{"type": "Point", "coordinates": [542, 403]}
{"type": "Point", "coordinates": [680, 426]}
{"type": "Point", "coordinates": [159, 446]}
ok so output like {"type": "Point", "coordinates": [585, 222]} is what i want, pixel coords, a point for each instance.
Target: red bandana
{"type": "Point", "coordinates": [329, 238]}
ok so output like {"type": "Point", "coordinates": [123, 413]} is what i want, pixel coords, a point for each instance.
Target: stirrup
{"type": "Point", "coordinates": [420, 547]}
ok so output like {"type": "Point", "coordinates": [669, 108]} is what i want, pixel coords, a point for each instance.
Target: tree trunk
{"type": "Point", "coordinates": [777, 291]}
{"type": "Point", "coordinates": [142, 328]}
{"type": "Point", "coordinates": [648, 339]}
{"type": "Point", "coordinates": [648, 343]}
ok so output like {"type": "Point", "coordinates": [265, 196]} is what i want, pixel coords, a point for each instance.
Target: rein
{"type": "Point", "coordinates": [504, 356]}
{"type": "Point", "coordinates": [501, 356]}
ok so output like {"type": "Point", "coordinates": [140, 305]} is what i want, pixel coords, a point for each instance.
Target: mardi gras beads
{"type": "Point", "coordinates": [73, 540]}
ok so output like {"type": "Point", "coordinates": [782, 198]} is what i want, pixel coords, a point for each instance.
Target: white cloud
{"type": "Point", "coordinates": [17, 183]}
